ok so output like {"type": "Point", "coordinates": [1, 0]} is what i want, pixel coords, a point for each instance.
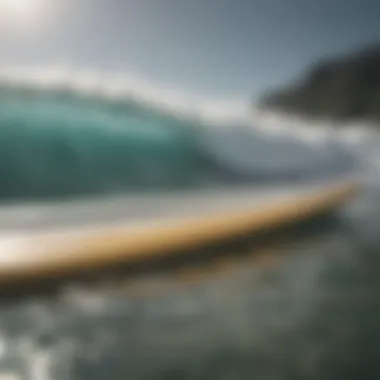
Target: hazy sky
{"type": "Point", "coordinates": [223, 48]}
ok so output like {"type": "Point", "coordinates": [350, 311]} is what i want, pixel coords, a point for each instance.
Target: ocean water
{"type": "Point", "coordinates": [312, 314]}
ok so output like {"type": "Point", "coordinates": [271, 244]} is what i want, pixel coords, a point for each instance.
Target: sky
{"type": "Point", "coordinates": [221, 48]}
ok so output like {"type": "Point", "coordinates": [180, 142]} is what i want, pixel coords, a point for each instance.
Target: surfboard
{"type": "Point", "coordinates": [60, 239]}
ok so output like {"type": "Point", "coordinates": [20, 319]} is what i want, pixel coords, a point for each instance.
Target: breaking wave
{"type": "Point", "coordinates": [64, 133]}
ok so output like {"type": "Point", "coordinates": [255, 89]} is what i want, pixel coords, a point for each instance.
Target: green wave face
{"type": "Point", "coordinates": [58, 143]}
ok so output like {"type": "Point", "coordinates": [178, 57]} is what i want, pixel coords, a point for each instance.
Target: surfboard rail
{"type": "Point", "coordinates": [60, 252]}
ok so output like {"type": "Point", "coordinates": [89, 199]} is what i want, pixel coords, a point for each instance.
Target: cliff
{"type": "Point", "coordinates": [341, 88]}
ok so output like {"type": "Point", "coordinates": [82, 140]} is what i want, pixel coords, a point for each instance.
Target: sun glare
{"type": "Point", "coordinates": [19, 9]}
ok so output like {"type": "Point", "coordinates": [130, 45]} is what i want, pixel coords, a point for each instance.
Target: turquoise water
{"type": "Point", "coordinates": [56, 143]}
